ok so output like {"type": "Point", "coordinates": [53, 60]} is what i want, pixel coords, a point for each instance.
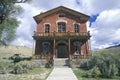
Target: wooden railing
{"type": "Point", "coordinates": [61, 34]}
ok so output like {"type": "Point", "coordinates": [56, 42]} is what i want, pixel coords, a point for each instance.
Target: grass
{"type": "Point", "coordinates": [8, 51]}
{"type": "Point", "coordinates": [40, 73]}
{"type": "Point", "coordinates": [81, 73]}
{"type": "Point", "coordinates": [35, 74]}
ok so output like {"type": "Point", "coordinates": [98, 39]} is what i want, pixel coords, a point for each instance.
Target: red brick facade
{"type": "Point", "coordinates": [55, 38]}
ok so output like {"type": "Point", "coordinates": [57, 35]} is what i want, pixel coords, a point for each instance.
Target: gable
{"type": "Point", "coordinates": [79, 15]}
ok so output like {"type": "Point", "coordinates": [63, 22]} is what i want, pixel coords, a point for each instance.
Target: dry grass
{"type": "Point", "coordinates": [11, 50]}
{"type": "Point", "coordinates": [36, 74]}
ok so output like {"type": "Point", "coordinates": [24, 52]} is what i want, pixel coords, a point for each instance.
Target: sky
{"type": "Point", "coordinates": [104, 22]}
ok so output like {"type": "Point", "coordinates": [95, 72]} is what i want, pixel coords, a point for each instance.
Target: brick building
{"type": "Point", "coordinates": [61, 33]}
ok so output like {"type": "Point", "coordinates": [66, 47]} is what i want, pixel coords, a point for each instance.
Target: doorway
{"type": "Point", "coordinates": [62, 51]}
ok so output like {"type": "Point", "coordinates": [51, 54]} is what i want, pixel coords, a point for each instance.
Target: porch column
{"type": "Point", "coordinates": [69, 46]}
{"type": "Point", "coordinates": [54, 47]}
{"type": "Point", "coordinates": [69, 53]}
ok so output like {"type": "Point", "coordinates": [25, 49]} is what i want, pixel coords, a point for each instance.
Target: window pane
{"type": "Point", "coordinates": [61, 27]}
{"type": "Point", "coordinates": [46, 48]}
{"type": "Point", "coordinates": [47, 28]}
{"type": "Point", "coordinates": [76, 27]}
{"type": "Point", "coordinates": [77, 48]}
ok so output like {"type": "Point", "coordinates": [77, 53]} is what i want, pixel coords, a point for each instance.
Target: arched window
{"type": "Point", "coordinates": [46, 48]}
{"type": "Point", "coordinates": [76, 28]}
{"type": "Point", "coordinates": [47, 28]}
{"type": "Point", "coordinates": [61, 27]}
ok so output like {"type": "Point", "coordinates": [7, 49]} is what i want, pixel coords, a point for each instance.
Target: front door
{"type": "Point", "coordinates": [62, 51]}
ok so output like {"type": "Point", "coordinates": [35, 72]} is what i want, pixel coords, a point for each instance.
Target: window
{"type": "Point", "coordinates": [47, 28]}
{"type": "Point", "coordinates": [77, 48]}
{"type": "Point", "coordinates": [46, 48]}
{"type": "Point", "coordinates": [76, 27]}
{"type": "Point", "coordinates": [61, 15]}
{"type": "Point", "coordinates": [61, 27]}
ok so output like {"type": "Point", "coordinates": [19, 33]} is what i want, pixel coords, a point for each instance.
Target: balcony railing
{"type": "Point", "coordinates": [61, 34]}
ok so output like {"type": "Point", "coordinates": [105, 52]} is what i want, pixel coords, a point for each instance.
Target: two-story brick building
{"type": "Point", "coordinates": [61, 33]}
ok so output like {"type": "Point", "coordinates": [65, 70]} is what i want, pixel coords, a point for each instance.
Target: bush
{"type": "Point", "coordinates": [18, 69]}
{"type": "Point", "coordinates": [107, 69]}
{"type": "Point", "coordinates": [23, 67]}
{"type": "Point", "coordinates": [18, 57]}
{"type": "Point", "coordinates": [5, 66]}
{"type": "Point", "coordinates": [49, 64]}
{"type": "Point", "coordinates": [93, 73]}
{"type": "Point", "coordinates": [106, 64]}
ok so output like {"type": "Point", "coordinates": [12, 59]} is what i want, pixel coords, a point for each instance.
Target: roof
{"type": "Point", "coordinates": [40, 16]}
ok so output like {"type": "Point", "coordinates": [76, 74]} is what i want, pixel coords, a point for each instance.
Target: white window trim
{"type": "Point", "coordinates": [58, 21]}
{"type": "Point", "coordinates": [61, 21]}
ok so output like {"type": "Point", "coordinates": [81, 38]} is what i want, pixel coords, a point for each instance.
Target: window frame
{"type": "Point", "coordinates": [61, 15]}
{"type": "Point", "coordinates": [61, 26]}
{"type": "Point", "coordinates": [46, 48]}
{"type": "Point", "coordinates": [76, 28]}
{"type": "Point", "coordinates": [77, 47]}
{"type": "Point", "coordinates": [47, 28]}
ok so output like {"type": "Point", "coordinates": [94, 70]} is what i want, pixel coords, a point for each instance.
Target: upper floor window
{"type": "Point", "coordinates": [46, 48]}
{"type": "Point", "coordinates": [61, 27]}
{"type": "Point", "coordinates": [76, 27]}
{"type": "Point", "coordinates": [61, 15]}
{"type": "Point", "coordinates": [47, 28]}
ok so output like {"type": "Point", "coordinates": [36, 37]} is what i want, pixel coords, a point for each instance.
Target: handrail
{"type": "Point", "coordinates": [52, 34]}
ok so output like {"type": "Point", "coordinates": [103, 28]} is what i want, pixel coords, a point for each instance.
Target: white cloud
{"type": "Point", "coordinates": [107, 28]}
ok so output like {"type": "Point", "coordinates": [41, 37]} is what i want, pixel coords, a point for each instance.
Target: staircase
{"type": "Point", "coordinates": [61, 62]}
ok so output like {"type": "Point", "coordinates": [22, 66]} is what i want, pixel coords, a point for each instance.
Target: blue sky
{"type": "Point", "coordinates": [103, 24]}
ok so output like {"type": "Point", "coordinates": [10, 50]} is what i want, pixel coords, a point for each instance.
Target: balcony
{"type": "Point", "coordinates": [61, 35]}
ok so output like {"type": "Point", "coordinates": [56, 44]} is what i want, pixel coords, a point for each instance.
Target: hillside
{"type": "Point", "coordinates": [11, 50]}
{"type": "Point", "coordinates": [114, 50]}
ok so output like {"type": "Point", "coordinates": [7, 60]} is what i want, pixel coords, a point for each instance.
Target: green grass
{"type": "Point", "coordinates": [81, 73]}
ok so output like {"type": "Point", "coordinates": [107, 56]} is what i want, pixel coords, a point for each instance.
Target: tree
{"type": "Point", "coordinates": [8, 20]}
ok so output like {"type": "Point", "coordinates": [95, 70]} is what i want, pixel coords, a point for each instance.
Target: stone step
{"type": "Point", "coordinates": [61, 62]}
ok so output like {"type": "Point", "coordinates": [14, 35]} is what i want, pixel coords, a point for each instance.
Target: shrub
{"type": "Point", "coordinates": [93, 73]}
{"type": "Point", "coordinates": [17, 69]}
{"type": "Point", "coordinates": [5, 66]}
{"type": "Point", "coordinates": [108, 69]}
{"type": "Point", "coordinates": [106, 64]}
{"type": "Point", "coordinates": [18, 57]}
{"type": "Point", "coordinates": [23, 67]}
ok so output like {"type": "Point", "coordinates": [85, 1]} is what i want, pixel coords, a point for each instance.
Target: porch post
{"type": "Point", "coordinates": [69, 53]}
{"type": "Point", "coordinates": [54, 48]}
{"type": "Point", "coordinates": [69, 46]}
